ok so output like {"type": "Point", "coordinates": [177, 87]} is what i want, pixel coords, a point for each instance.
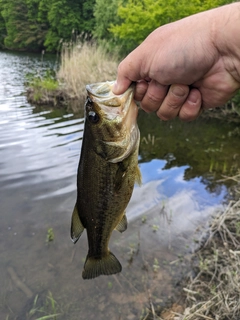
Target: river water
{"type": "Point", "coordinates": [181, 165]}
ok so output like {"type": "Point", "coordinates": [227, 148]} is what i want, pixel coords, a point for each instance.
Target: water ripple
{"type": "Point", "coordinates": [35, 146]}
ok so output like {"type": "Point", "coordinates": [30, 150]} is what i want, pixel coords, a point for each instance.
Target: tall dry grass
{"type": "Point", "coordinates": [84, 63]}
{"type": "Point", "coordinates": [214, 293]}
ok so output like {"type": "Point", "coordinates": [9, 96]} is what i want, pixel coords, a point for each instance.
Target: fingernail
{"type": "Point", "coordinates": [115, 87]}
{"type": "Point", "coordinates": [193, 97]}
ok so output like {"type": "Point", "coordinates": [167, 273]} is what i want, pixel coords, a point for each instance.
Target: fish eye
{"type": "Point", "coordinates": [93, 117]}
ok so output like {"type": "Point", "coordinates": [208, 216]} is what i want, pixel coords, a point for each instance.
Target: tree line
{"type": "Point", "coordinates": [36, 25]}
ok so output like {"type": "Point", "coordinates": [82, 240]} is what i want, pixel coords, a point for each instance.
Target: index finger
{"type": "Point", "coordinates": [122, 82]}
{"type": "Point", "coordinates": [128, 71]}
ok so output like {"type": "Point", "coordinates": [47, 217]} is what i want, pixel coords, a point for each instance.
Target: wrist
{"type": "Point", "coordinates": [225, 35]}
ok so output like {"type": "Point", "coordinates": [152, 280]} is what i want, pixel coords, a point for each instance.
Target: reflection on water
{"type": "Point", "coordinates": [39, 147]}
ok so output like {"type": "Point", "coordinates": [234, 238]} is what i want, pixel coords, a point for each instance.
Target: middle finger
{"type": "Point", "coordinates": [154, 96]}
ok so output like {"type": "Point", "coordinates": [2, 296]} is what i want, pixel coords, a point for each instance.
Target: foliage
{"type": "Point", "coordinates": [141, 17]}
{"type": "Point", "coordinates": [64, 18]}
{"type": "Point", "coordinates": [46, 81]}
{"type": "Point", "coordinates": [105, 13]}
{"type": "Point", "coordinates": [43, 89]}
{"type": "Point", "coordinates": [37, 24]}
{"type": "Point", "coordinates": [3, 30]}
{"type": "Point", "coordinates": [45, 24]}
{"type": "Point", "coordinates": [23, 29]}
{"type": "Point", "coordinates": [68, 18]}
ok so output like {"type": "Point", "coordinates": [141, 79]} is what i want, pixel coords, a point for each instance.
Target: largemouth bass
{"type": "Point", "coordinates": [107, 171]}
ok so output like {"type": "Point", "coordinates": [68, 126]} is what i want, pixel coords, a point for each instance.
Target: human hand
{"type": "Point", "coordinates": [187, 65]}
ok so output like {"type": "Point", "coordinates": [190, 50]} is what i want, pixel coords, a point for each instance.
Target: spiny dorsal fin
{"type": "Point", "coordinates": [122, 226]}
{"type": "Point", "coordinates": [76, 226]}
{"type": "Point", "coordinates": [102, 266]}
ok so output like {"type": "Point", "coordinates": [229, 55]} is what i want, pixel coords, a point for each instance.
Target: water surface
{"type": "Point", "coordinates": [181, 165]}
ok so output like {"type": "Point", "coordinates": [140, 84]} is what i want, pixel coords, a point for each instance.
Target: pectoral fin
{"type": "Point", "coordinates": [122, 226]}
{"type": "Point", "coordinates": [120, 174]}
{"type": "Point", "coordinates": [76, 226]}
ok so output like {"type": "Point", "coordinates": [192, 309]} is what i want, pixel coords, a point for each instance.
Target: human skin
{"type": "Point", "coordinates": [186, 66]}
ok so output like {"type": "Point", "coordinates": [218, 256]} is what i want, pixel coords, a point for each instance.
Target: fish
{"type": "Point", "coordinates": [107, 172]}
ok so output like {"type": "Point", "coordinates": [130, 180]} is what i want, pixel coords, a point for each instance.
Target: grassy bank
{"type": "Point", "coordinates": [214, 293]}
{"type": "Point", "coordinates": [80, 64]}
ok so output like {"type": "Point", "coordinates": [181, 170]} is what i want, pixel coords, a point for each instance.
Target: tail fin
{"type": "Point", "coordinates": [103, 266]}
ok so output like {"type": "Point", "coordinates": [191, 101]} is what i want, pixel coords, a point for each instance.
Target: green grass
{"type": "Point", "coordinates": [46, 81]}
{"type": "Point", "coordinates": [46, 310]}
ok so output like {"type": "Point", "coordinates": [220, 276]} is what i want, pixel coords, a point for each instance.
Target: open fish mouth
{"type": "Point", "coordinates": [113, 106]}
{"type": "Point", "coordinates": [101, 93]}
{"type": "Point", "coordinates": [120, 114]}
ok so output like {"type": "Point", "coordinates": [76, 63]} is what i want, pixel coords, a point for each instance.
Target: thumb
{"type": "Point", "coordinates": [121, 85]}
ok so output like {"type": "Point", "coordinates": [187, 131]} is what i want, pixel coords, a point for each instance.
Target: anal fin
{"type": "Point", "coordinates": [76, 226]}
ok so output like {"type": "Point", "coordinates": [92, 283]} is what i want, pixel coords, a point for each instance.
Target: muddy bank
{"type": "Point", "coordinates": [58, 98]}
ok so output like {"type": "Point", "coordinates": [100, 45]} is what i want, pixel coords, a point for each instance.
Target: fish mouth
{"type": "Point", "coordinates": [112, 105]}
{"type": "Point", "coordinates": [121, 108]}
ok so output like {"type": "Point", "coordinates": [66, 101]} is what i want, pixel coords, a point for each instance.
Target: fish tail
{"type": "Point", "coordinates": [106, 265]}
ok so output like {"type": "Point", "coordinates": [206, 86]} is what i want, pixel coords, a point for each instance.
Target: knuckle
{"type": "Point", "coordinates": [141, 89]}
{"type": "Point", "coordinates": [153, 98]}
{"type": "Point", "coordinates": [179, 90]}
{"type": "Point", "coordinates": [177, 96]}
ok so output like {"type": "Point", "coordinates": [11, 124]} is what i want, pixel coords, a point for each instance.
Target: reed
{"type": "Point", "coordinates": [84, 63]}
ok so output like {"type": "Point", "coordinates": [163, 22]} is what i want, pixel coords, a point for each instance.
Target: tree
{"type": "Point", "coordinates": [68, 18]}
{"type": "Point", "coordinates": [105, 13]}
{"type": "Point", "coordinates": [3, 31]}
{"type": "Point", "coordinates": [35, 24]}
{"type": "Point", "coordinates": [139, 18]}
{"type": "Point", "coordinates": [23, 30]}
